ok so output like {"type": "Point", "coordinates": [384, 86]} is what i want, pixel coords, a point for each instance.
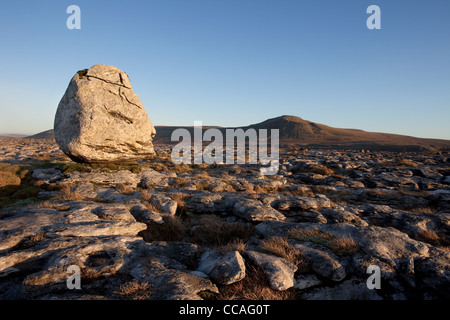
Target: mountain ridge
{"type": "Point", "coordinates": [295, 130]}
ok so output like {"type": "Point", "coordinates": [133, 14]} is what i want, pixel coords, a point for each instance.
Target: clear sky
{"type": "Point", "coordinates": [237, 62]}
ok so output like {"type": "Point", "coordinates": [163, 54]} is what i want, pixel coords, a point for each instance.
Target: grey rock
{"type": "Point", "coordinates": [114, 212]}
{"type": "Point", "coordinates": [208, 203]}
{"type": "Point", "coordinates": [142, 214]}
{"type": "Point", "coordinates": [100, 118]}
{"type": "Point", "coordinates": [230, 268]}
{"type": "Point", "coordinates": [151, 178]}
{"type": "Point", "coordinates": [302, 203]}
{"type": "Point", "coordinates": [323, 263]}
{"type": "Point", "coordinates": [50, 175]}
{"type": "Point", "coordinates": [302, 282]}
{"type": "Point", "coordinates": [433, 273]}
{"type": "Point", "coordinates": [164, 203]}
{"type": "Point", "coordinates": [183, 252]}
{"type": "Point", "coordinates": [352, 289]}
{"type": "Point", "coordinates": [208, 261]}
{"type": "Point", "coordinates": [254, 210]}
{"type": "Point", "coordinates": [279, 271]}
{"type": "Point", "coordinates": [340, 215]}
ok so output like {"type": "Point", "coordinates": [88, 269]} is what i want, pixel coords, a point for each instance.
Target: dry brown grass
{"type": "Point", "coordinates": [413, 193]}
{"type": "Point", "coordinates": [321, 169]}
{"type": "Point", "coordinates": [255, 286]}
{"type": "Point", "coordinates": [172, 229]}
{"type": "Point", "coordinates": [134, 290]}
{"type": "Point", "coordinates": [429, 236]}
{"type": "Point", "coordinates": [282, 248]}
{"type": "Point", "coordinates": [213, 231]}
{"type": "Point", "coordinates": [202, 185]}
{"type": "Point", "coordinates": [181, 168]}
{"type": "Point", "coordinates": [125, 189]}
{"type": "Point", "coordinates": [8, 175]}
{"type": "Point", "coordinates": [258, 189]}
{"type": "Point", "coordinates": [50, 204]}
{"type": "Point", "coordinates": [17, 184]}
{"type": "Point", "coordinates": [145, 195]}
{"type": "Point", "coordinates": [406, 163]}
{"type": "Point", "coordinates": [311, 235]}
{"type": "Point", "coordinates": [30, 241]}
{"type": "Point", "coordinates": [339, 245]}
{"type": "Point", "coordinates": [66, 193]}
{"type": "Point", "coordinates": [297, 191]}
{"type": "Point", "coordinates": [181, 182]}
{"type": "Point", "coordinates": [344, 246]}
{"type": "Point", "coordinates": [235, 245]}
{"type": "Point", "coordinates": [179, 198]}
{"type": "Point", "coordinates": [423, 210]}
{"type": "Point", "coordinates": [146, 199]}
{"type": "Point", "coordinates": [266, 188]}
{"type": "Point", "coordinates": [436, 239]}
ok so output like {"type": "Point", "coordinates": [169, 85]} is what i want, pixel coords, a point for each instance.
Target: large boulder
{"type": "Point", "coordinates": [100, 118]}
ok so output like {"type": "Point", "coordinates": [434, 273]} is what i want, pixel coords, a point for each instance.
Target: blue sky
{"type": "Point", "coordinates": [237, 62]}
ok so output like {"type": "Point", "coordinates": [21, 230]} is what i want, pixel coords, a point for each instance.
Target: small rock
{"type": "Point", "coordinates": [279, 271]}
{"type": "Point", "coordinates": [254, 210]}
{"type": "Point", "coordinates": [229, 269]}
{"type": "Point", "coordinates": [306, 281]}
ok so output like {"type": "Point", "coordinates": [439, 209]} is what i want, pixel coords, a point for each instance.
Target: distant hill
{"type": "Point", "coordinates": [49, 134]}
{"type": "Point", "coordinates": [12, 135]}
{"type": "Point", "coordinates": [295, 130]}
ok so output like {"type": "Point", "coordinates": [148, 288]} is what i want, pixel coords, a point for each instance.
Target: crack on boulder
{"type": "Point", "coordinates": [120, 116]}
{"type": "Point", "coordinates": [122, 95]}
{"type": "Point", "coordinates": [110, 82]}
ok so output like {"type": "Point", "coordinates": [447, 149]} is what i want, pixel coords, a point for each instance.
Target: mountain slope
{"type": "Point", "coordinates": [295, 130]}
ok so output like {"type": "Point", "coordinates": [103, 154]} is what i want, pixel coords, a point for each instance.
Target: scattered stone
{"type": "Point", "coordinates": [279, 271]}
{"type": "Point", "coordinates": [254, 210]}
{"type": "Point", "coordinates": [229, 269]}
{"type": "Point", "coordinates": [302, 282]}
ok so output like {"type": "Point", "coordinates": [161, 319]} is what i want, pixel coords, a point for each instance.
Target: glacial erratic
{"type": "Point", "coordinates": [100, 118]}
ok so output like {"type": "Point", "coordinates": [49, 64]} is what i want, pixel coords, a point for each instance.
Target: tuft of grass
{"type": "Point", "coordinates": [9, 175]}
{"type": "Point", "coordinates": [255, 286]}
{"type": "Point", "coordinates": [344, 246]}
{"type": "Point", "coordinates": [315, 168]}
{"type": "Point", "coordinates": [406, 163]}
{"type": "Point", "coordinates": [434, 238]}
{"type": "Point", "coordinates": [297, 190]}
{"type": "Point", "coordinates": [17, 184]}
{"type": "Point", "coordinates": [321, 169]}
{"type": "Point", "coordinates": [282, 248]}
{"type": "Point", "coordinates": [67, 168]}
{"type": "Point", "coordinates": [134, 290]}
{"type": "Point", "coordinates": [180, 182]}
{"type": "Point", "coordinates": [235, 245]}
{"type": "Point", "coordinates": [213, 231]}
{"type": "Point", "coordinates": [202, 185]}
{"type": "Point", "coordinates": [125, 189]}
{"type": "Point", "coordinates": [181, 168]}
{"type": "Point", "coordinates": [30, 241]}
{"type": "Point", "coordinates": [313, 235]}
{"type": "Point", "coordinates": [66, 193]}
{"type": "Point", "coordinates": [423, 210]}
{"type": "Point", "coordinates": [180, 199]}
{"type": "Point", "coordinates": [172, 229]}
{"type": "Point", "coordinates": [341, 246]}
